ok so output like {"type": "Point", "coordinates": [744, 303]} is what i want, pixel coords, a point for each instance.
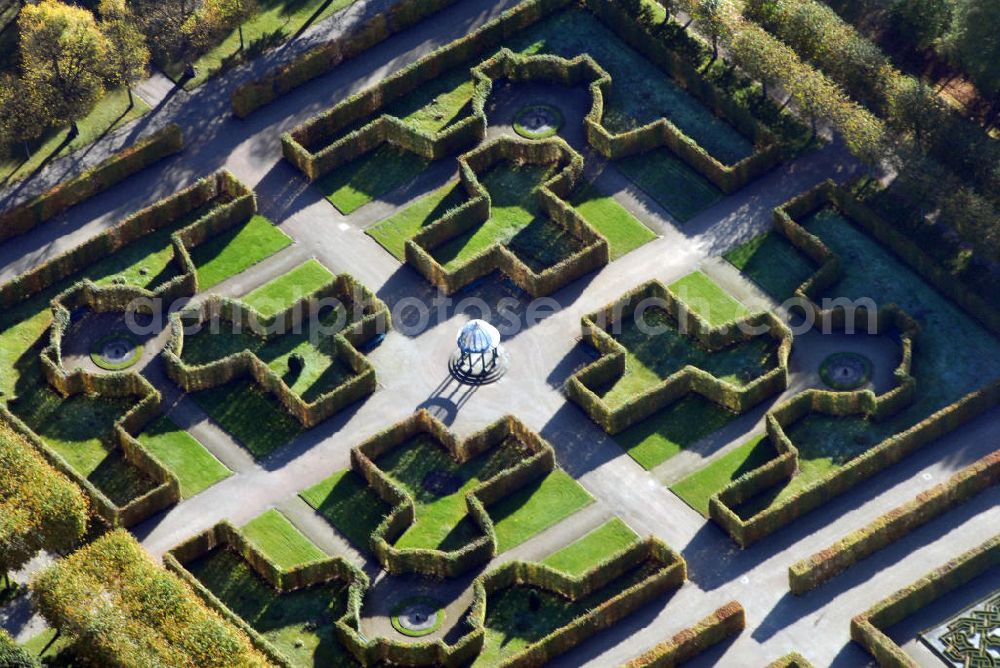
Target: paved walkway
{"type": "Point", "coordinates": [412, 372]}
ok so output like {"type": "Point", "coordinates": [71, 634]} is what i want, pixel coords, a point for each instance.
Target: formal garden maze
{"type": "Point", "coordinates": [498, 333]}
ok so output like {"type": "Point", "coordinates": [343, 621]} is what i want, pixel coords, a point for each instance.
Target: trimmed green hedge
{"type": "Point", "coordinates": [442, 563]}
{"type": "Point", "coordinates": [670, 573]}
{"type": "Point", "coordinates": [122, 609]}
{"type": "Point", "coordinates": [611, 364]}
{"type": "Point", "coordinates": [112, 170]}
{"type": "Point", "coordinates": [793, 660]}
{"type": "Point", "coordinates": [315, 148]}
{"type": "Point", "coordinates": [868, 628]}
{"type": "Point", "coordinates": [226, 536]}
{"type": "Point", "coordinates": [239, 206]}
{"type": "Point", "coordinates": [475, 211]}
{"type": "Point", "coordinates": [724, 623]}
{"type": "Point", "coordinates": [316, 62]}
{"type": "Point", "coordinates": [811, 572]}
{"type": "Point", "coordinates": [864, 402]}
{"type": "Point", "coordinates": [374, 319]}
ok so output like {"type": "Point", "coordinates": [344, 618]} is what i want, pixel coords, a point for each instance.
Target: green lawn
{"type": "Point", "coordinates": [276, 22]}
{"type": "Point", "coordinates": [252, 416]}
{"type": "Point", "coordinates": [662, 350]}
{"type": "Point", "coordinates": [298, 624]}
{"type": "Point", "coordinates": [54, 651]}
{"type": "Point", "coordinates": [195, 467]}
{"type": "Point", "coordinates": [681, 424]}
{"type": "Point", "coordinates": [641, 92]}
{"type": "Point", "coordinates": [80, 429]}
{"type": "Point", "coordinates": [536, 507]}
{"type": "Point", "coordinates": [519, 616]}
{"type": "Point", "coordinates": [622, 230]}
{"type": "Point", "coordinates": [703, 296]}
{"type": "Point", "coordinates": [372, 175]}
{"type": "Point", "coordinates": [280, 541]}
{"type": "Point", "coordinates": [516, 220]}
{"type": "Point", "coordinates": [442, 521]}
{"type": "Point", "coordinates": [955, 355]}
{"type": "Point", "coordinates": [110, 112]}
{"type": "Point", "coordinates": [347, 503]}
{"type": "Point", "coordinates": [697, 488]}
{"type": "Point", "coordinates": [285, 290]}
{"type": "Point", "coordinates": [683, 192]}
{"type": "Point", "coordinates": [393, 232]}
{"type": "Point", "coordinates": [236, 250]}
{"type": "Point", "coordinates": [322, 371]}
{"type": "Point", "coordinates": [772, 263]}
{"type": "Point", "coordinates": [583, 554]}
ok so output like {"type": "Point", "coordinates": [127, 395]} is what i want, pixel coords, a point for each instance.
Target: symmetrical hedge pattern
{"type": "Point", "coordinates": [237, 206]}
{"type": "Point", "coordinates": [593, 253]}
{"type": "Point", "coordinates": [122, 609]}
{"type": "Point", "coordinates": [367, 317]}
{"type": "Point", "coordinates": [811, 572]}
{"type": "Point", "coordinates": [441, 563]}
{"type": "Point", "coordinates": [665, 571]}
{"type": "Point", "coordinates": [112, 170]}
{"type": "Point", "coordinates": [611, 366]}
{"type": "Point", "coordinates": [375, 128]}
{"type": "Point", "coordinates": [724, 623]}
{"type": "Point", "coordinates": [793, 660]}
{"type": "Point", "coordinates": [860, 403]}
{"type": "Point", "coordinates": [869, 628]}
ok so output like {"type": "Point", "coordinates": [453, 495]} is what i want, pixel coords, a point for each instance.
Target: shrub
{"type": "Point", "coordinates": [254, 94]}
{"type": "Point", "coordinates": [868, 628]}
{"type": "Point", "coordinates": [890, 450]}
{"type": "Point", "coordinates": [245, 364]}
{"type": "Point", "coordinates": [90, 182]}
{"type": "Point", "coordinates": [42, 509]}
{"type": "Point", "coordinates": [441, 563]}
{"type": "Point", "coordinates": [809, 573]}
{"type": "Point", "coordinates": [13, 656]}
{"type": "Point", "coordinates": [594, 251]}
{"type": "Point", "coordinates": [611, 365]}
{"type": "Point", "coordinates": [122, 609]}
{"type": "Point", "coordinates": [727, 621]}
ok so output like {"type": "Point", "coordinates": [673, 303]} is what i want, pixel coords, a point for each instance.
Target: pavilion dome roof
{"type": "Point", "coordinates": [478, 336]}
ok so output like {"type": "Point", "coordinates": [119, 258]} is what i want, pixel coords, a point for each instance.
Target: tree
{"type": "Point", "coordinates": [975, 43]}
{"type": "Point", "coordinates": [23, 117]}
{"type": "Point", "coordinates": [63, 55]}
{"type": "Point", "coordinates": [162, 22]}
{"type": "Point", "coordinates": [712, 18]}
{"type": "Point", "coordinates": [40, 509]}
{"type": "Point", "coordinates": [816, 96]}
{"type": "Point", "coordinates": [214, 20]}
{"type": "Point", "coordinates": [914, 108]}
{"type": "Point", "coordinates": [760, 55]}
{"type": "Point", "coordinates": [128, 56]}
{"type": "Point", "coordinates": [922, 22]}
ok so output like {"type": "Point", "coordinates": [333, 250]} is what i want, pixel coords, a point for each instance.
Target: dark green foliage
{"type": "Point", "coordinates": [727, 621]}
{"type": "Point", "coordinates": [12, 656]}
{"type": "Point", "coordinates": [922, 22]}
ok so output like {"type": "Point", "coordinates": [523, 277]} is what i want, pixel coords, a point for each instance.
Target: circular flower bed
{"type": "Point", "coordinates": [418, 616]}
{"type": "Point", "coordinates": [116, 351]}
{"type": "Point", "coordinates": [845, 371]}
{"type": "Point", "coordinates": [538, 121]}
